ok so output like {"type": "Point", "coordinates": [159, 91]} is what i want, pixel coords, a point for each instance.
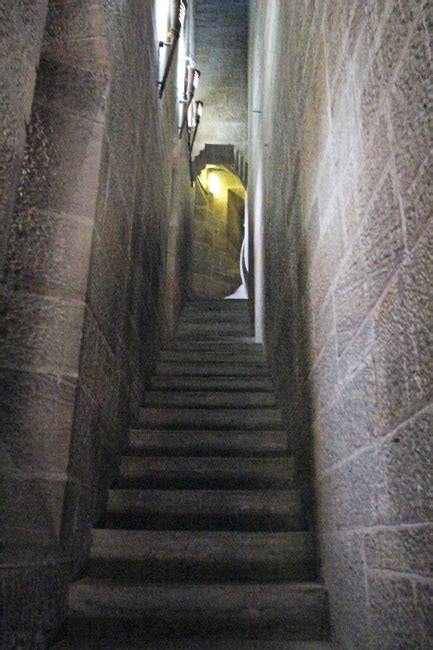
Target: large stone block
{"type": "Point", "coordinates": [417, 200]}
{"type": "Point", "coordinates": [85, 438]}
{"type": "Point", "coordinates": [89, 349]}
{"type": "Point", "coordinates": [348, 425]}
{"type": "Point", "coordinates": [77, 523]}
{"type": "Point", "coordinates": [406, 549]}
{"type": "Point", "coordinates": [350, 295]}
{"type": "Point", "coordinates": [393, 616]}
{"type": "Point", "coordinates": [329, 254]}
{"type": "Point", "coordinates": [406, 459]}
{"type": "Point", "coordinates": [34, 606]}
{"type": "Point", "coordinates": [107, 281]}
{"type": "Point", "coordinates": [355, 353]}
{"type": "Point", "coordinates": [115, 224]}
{"type": "Point", "coordinates": [31, 514]}
{"type": "Point", "coordinates": [42, 334]}
{"type": "Point", "coordinates": [66, 21]}
{"type": "Point", "coordinates": [417, 289]}
{"type": "Point", "coordinates": [343, 570]}
{"type": "Point", "coordinates": [49, 252]}
{"type": "Point", "coordinates": [382, 239]}
{"type": "Point", "coordinates": [411, 108]}
{"type": "Point", "coordinates": [424, 601]}
{"type": "Point", "coordinates": [377, 146]}
{"type": "Point", "coordinates": [403, 337]}
{"type": "Point", "coordinates": [324, 376]}
{"type": "Point", "coordinates": [36, 414]}
{"type": "Point", "coordinates": [72, 89]}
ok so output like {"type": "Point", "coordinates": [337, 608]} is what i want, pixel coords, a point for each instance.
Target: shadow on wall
{"type": "Point", "coordinates": [217, 232]}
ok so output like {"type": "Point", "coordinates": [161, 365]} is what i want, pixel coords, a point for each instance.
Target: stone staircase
{"type": "Point", "coordinates": [202, 544]}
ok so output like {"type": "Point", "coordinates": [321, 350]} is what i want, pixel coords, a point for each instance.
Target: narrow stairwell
{"type": "Point", "coordinates": [202, 544]}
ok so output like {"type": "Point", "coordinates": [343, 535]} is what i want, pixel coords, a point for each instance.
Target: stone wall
{"type": "Point", "coordinates": [339, 167]}
{"type": "Point", "coordinates": [93, 244]}
{"type": "Point", "coordinates": [21, 30]}
{"type": "Point", "coordinates": [221, 37]}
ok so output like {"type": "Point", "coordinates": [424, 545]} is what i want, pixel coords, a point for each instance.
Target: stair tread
{"type": "Point", "coordinates": [226, 644]}
{"type": "Point", "coordinates": [204, 472]}
{"type": "Point", "coordinates": [238, 344]}
{"type": "Point", "coordinates": [215, 356]}
{"type": "Point", "coordinates": [138, 543]}
{"type": "Point", "coordinates": [212, 370]}
{"type": "Point", "coordinates": [204, 383]}
{"type": "Point", "coordinates": [165, 594]}
{"type": "Point", "coordinates": [207, 443]}
{"type": "Point", "coordinates": [201, 610]}
{"type": "Point", "coordinates": [200, 509]}
{"type": "Point", "coordinates": [202, 556]}
{"type": "Point", "coordinates": [212, 418]}
{"type": "Point", "coordinates": [224, 399]}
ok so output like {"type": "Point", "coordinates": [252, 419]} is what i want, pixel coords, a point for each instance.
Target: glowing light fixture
{"type": "Point", "coordinates": [192, 79]}
{"type": "Point", "coordinates": [179, 9]}
{"type": "Point", "coordinates": [214, 183]}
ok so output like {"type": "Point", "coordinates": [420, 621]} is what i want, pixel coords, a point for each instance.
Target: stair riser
{"type": "Point", "coordinates": [207, 443]}
{"type": "Point", "coordinates": [203, 510]}
{"type": "Point", "coordinates": [211, 384]}
{"type": "Point", "coordinates": [197, 557]}
{"type": "Point", "coordinates": [303, 620]}
{"type": "Point", "coordinates": [205, 474]}
{"type": "Point", "coordinates": [248, 347]}
{"type": "Point", "coordinates": [216, 370]}
{"type": "Point", "coordinates": [248, 419]}
{"type": "Point", "coordinates": [210, 356]}
{"type": "Point", "coordinates": [191, 399]}
{"type": "Point", "coordinates": [156, 570]}
{"type": "Point", "coordinates": [191, 482]}
{"type": "Point", "coordinates": [212, 331]}
{"type": "Point", "coordinates": [213, 318]}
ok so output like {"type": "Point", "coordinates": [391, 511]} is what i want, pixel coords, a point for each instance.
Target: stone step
{"type": "Point", "coordinates": [188, 644]}
{"type": "Point", "coordinates": [211, 317]}
{"type": "Point", "coordinates": [243, 510]}
{"type": "Point", "coordinates": [207, 443]}
{"type": "Point", "coordinates": [239, 345]}
{"type": "Point", "coordinates": [218, 306]}
{"type": "Point", "coordinates": [203, 383]}
{"type": "Point", "coordinates": [201, 556]}
{"type": "Point", "coordinates": [205, 473]}
{"type": "Point", "coordinates": [254, 357]}
{"type": "Point", "coordinates": [212, 418]}
{"type": "Point", "coordinates": [213, 330]}
{"type": "Point", "coordinates": [207, 399]}
{"type": "Point", "coordinates": [212, 369]}
{"type": "Point", "coordinates": [112, 610]}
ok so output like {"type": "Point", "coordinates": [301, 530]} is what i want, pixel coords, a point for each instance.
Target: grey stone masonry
{"type": "Point", "coordinates": [203, 538]}
{"type": "Point", "coordinates": [340, 104]}
{"type": "Point", "coordinates": [221, 34]}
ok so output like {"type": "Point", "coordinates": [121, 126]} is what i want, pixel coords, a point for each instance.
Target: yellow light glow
{"type": "Point", "coordinates": [214, 183]}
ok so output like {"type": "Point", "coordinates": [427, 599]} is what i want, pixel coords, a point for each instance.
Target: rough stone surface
{"type": "Point", "coordinates": [405, 548]}
{"type": "Point", "coordinates": [34, 599]}
{"type": "Point", "coordinates": [394, 613]}
{"type": "Point", "coordinates": [339, 153]}
{"type": "Point", "coordinates": [93, 277]}
{"type": "Point", "coordinates": [221, 39]}
{"type": "Point", "coordinates": [21, 31]}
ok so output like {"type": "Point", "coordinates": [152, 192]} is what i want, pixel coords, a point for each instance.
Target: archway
{"type": "Point", "coordinates": [217, 232]}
